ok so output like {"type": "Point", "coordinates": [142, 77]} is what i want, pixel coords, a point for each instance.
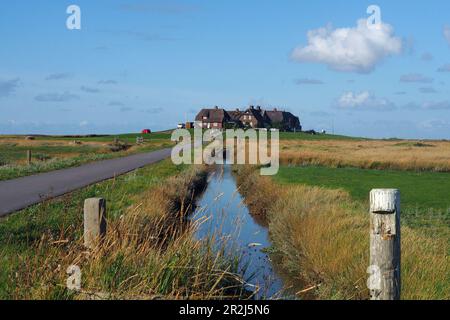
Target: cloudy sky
{"type": "Point", "coordinates": [153, 64]}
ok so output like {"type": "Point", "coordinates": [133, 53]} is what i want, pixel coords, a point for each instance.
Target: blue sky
{"type": "Point", "coordinates": [153, 64]}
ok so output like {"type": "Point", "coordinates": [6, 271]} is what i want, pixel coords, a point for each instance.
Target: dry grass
{"type": "Point", "coordinates": [21, 142]}
{"type": "Point", "coordinates": [54, 154]}
{"type": "Point", "coordinates": [322, 237]}
{"type": "Point", "coordinates": [148, 253]}
{"type": "Point", "coordinates": [370, 154]}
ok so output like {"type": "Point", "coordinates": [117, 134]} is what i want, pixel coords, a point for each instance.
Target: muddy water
{"type": "Point", "coordinates": [221, 213]}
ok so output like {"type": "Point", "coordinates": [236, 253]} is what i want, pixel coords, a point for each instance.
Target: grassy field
{"type": "Point", "coordinates": [316, 137]}
{"type": "Point", "coordinates": [316, 208]}
{"type": "Point", "coordinates": [419, 189]}
{"type": "Point", "coordinates": [425, 195]}
{"type": "Point", "coordinates": [321, 237]}
{"type": "Point", "coordinates": [148, 252]}
{"type": "Point", "coordinates": [368, 154]}
{"type": "Point", "coordinates": [58, 152]}
{"type": "Point", "coordinates": [419, 169]}
{"type": "Point", "coordinates": [128, 137]}
{"type": "Point", "coordinates": [317, 211]}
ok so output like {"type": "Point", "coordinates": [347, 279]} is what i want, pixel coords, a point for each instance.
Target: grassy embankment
{"type": "Point", "coordinates": [322, 237]}
{"type": "Point", "coordinates": [149, 250]}
{"type": "Point", "coordinates": [58, 152]}
{"type": "Point", "coordinates": [317, 211]}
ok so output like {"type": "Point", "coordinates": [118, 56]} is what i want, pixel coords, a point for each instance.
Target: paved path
{"type": "Point", "coordinates": [20, 193]}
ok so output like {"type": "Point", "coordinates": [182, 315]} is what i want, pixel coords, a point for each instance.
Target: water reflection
{"type": "Point", "coordinates": [222, 213]}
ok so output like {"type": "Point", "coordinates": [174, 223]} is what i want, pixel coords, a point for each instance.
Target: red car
{"type": "Point", "coordinates": [146, 131]}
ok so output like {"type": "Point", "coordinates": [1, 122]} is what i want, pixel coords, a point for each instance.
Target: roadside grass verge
{"type": "Point", "coordinates": [322, 237]}
{"type": "Point", "coordinates": [149, 251]}
{"type": "Point", "coordinates": [49, 158]}
{"type": "Point", "coordinates": [127, 137]}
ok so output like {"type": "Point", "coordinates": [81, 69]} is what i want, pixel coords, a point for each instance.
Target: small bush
{"type": "Point", "coordinates": [42, 156]}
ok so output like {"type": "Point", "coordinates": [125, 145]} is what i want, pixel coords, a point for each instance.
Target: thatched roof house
{"type": "Point", "coordinates": [252, 117]}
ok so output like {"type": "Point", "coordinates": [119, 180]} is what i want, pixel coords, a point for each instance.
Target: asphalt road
{"type": "Point", "coordinates": [20, 193]}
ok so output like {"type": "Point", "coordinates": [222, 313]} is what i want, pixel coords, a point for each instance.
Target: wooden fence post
{"type": "Point", "coordinates": [94, 221]}
{"type": "Point", "coordinates": [385, 281]}
{"type": "Point", "coordinates": [29, 157]}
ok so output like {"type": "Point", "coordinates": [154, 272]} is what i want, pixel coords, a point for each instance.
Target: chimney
{"type": "Point", "coordinates": [258, 108]}
{"type": "Point", "coordinates": [252, 107]}
{"type": "Point", "coordinates": [216, 107]}
{"type": "Point", "coordinates": [275, 109]}
{"type": "Point", "coordinates": [237, 109]}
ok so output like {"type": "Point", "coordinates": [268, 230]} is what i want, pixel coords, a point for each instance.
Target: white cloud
{"type": "Point", "coordinates": [59, 76]}
{"type": "Point", "coordinates": [415, 77]}
{"type": "Point", "coordinates": [363, 101]}
{"type": "Point", "coordinates": [427, 90]}
{"type": "Point", "coordinates": [444, 68]}
{"type": "Point", "coordinates": [89, 89]}
{"type": "Point", "coordinates": [126, 109]}
{"type": "Point", "coordinates": [447, 33]}
{"type": "Point", "coordinates": [434, 124]}
{"type": "Point", "coordinates": [115, 104]}
{"type": "Point", "coordinates": [304, 81]}
{"type": "Point", "coordinates": [426, 56]}
{"type": "Point", "coordinates": [56, 97]}
{"type": "Point", "coordinates": [168, 7]}
{"type": "Point", "coordinates": [107, 82]}
{"type": "Point", "coordinates": [357, 49]}
{"type": "Point", "coordinates": [428, 105]}
{"type": "Point", "coordinates": [440, 105]}
{"type": "Point", "coordinates": [8, 87]}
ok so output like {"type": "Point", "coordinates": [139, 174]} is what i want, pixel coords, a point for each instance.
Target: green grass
{"type": "Point", "coordinates": [322, 237]}
{"type": "Point", "coordinates": [12, 152]}
{"type": "Point", "coordinates": [305, 136]}
{"type": "Point", "coordinates": [425, 196]}
{"type": "Point", "coordinates": [423, 189]}
{"type": "Point", "coordinates": [145, 254]}
{"type": "Point", "coordinates": [127, 137]}
{"type": "Point", "coordinates": [27, 226]}
{"type": "Point", "coordinates": [15, 171]}
{"type": "Point", "coordinates": [19, 232]}
{"type": "Point", "coordinates": [48, 158]}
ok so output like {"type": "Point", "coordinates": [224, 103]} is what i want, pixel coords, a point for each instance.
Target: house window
{"type": "Point", "coordinates": [216, 124]}
{"type": "Point", "coordinates": [205, 118]}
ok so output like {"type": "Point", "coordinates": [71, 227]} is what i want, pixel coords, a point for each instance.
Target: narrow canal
{"type": "Point", "coordinates": [221, 213]}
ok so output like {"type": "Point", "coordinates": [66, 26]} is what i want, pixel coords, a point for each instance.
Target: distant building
{"type": "Point", "coordinates": [212, 118]}
{"type": "Point", "coordinates": [253, 117]}
{"type": "Point", "coordinates": [189, 125]}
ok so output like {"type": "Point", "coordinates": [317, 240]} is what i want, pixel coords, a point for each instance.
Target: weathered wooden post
{"type": "Point", "coordinates": [94, 221]}
{"type": "Point", "coordinates": [385, 281]}
{"type": "Point", "coordinates": [29, 157]}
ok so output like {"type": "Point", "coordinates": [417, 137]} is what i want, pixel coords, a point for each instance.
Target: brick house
{"type": "Point", "coordinates": [212, 118]}
{"type": "Point", "coordinates": [253, 117]}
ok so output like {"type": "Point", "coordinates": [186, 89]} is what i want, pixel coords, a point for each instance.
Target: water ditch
{"type": "Point", "coordinates": [222, 214]}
